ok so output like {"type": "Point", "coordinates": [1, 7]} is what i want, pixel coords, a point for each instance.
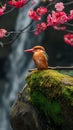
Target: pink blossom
{"type": "Point", "coordinates": [62, 18]}
{"type": "Point", "coordinates": [17, 4]}
{"type": "Point", "coordinates": [3, 33]}
{"type": "Point", "coordinates": [10, 2]}
{"type": "Point", "coordinates": [33, 2]}
{"type": "Point", "coordinates": [2, 9]}
{"type": "Point", "coordinates": [33, 15]}
{"type": "Point", "coordinates": [68, 38]}
{"type": "Point", "coordinates": [70, 17]}
{"type": "Point", "coordinates": [41, 11]}
{"type": "Point", "coordinates": [56, 18]}
{"type": "Point", "coordinates": [43, 26]}
{"type": "Point", "coordinates": [49, 20]}
{"type": "Point", "coordinates": [40, 27]}
{"type": "Point", "coordinates": [59, 6]}
{"type": "Point", "coordinates": [71, 12]}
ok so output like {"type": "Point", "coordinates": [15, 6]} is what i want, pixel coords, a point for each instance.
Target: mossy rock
{"type": "Point", "coordinates": [52, 94]}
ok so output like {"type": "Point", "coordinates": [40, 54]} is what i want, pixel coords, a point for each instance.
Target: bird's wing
{"type": "Point", "coordinates": [40, 60]}
{"type": "Point", "coordinates": [46, 56]}
{"type": "Point", "coordinates": [40, 57]}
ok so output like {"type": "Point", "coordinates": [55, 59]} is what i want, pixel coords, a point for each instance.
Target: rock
{"type": "Point", "coordinates": [52, 93]}
{"type": "Point", "coordinates": [46, 103]}
{"type": "Point", "coordinates": [22, 114]}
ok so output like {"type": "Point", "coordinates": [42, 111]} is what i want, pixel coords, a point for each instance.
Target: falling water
{"type": "Point", "coordinates": [18, 66]}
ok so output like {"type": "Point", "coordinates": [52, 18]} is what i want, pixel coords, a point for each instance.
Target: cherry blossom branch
{"type": "Point", "coordinates": [19, 33]}
{"type": "Point", "coordinates": [52, 3]}
{"type": "Point", "coordinates": [55, 18]}
{"type": "Point", "coordinates": [68, 3]}
{"type": "Point", "coordinates": [7, 12]}
{"type": "Point", "coordinates": [69, 31]}
{"type": "Point", "coordinates": [69, 24]}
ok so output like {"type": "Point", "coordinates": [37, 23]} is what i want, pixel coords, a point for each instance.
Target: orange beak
{"type": "Point", "coordinates": [29, 50]}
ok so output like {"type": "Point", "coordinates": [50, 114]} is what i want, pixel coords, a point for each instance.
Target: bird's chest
{"type": "Point", "coordinates": [38, 57]}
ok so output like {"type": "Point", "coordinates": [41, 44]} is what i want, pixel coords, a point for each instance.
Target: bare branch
{"type": "Point", "coordinates": [69, 24]}
{"type": "Point", "coordinates": [69, 3]}
{"type": "Point", "coordinates": [52, 3]}
{"type": "Point", "coordinates": [56, 68]}
{"type": "Point", "coordinates": [69, 31]}
{"type": "Point", "coordinates": [61, 68]}
{"type": "Point", "coordinates": [9, 11]}
{"type": "Point", "coordinates": [19, 33]}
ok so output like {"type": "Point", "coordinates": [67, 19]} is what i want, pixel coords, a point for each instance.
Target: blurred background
{"type": "Point", "coordinates": [14, 63]}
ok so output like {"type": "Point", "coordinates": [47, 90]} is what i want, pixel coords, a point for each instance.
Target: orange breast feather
{"type": "Point", "coordinates": [40, 60]}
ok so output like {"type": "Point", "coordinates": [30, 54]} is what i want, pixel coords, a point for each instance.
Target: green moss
{"type": "Point", "coordinates": [68, 95]}
{"type": "Point", "coordinates": [49, 91]}
{"type": "Point", "coordinates": [52, 84]}
{"type": "Point", "coordinates": [51, 108]}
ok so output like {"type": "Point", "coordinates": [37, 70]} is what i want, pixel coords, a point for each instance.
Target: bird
{"type": "Point", "coordinates": [39, 57]}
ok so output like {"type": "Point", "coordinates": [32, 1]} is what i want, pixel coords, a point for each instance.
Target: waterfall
{"type": "Point", "coordinates": [18, 65]}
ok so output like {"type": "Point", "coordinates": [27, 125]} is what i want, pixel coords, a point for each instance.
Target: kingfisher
{"type": "Point", "coordinates": [39, 57]}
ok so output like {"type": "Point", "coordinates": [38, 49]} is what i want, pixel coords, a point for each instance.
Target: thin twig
{"type": "Point", "coordinates": [9, 11]}
{"type": "Point", "coordinates": [12, 8]}
{"type": "Point", "coordinates": [18, 34]}
{"type": "Point", "coordinates": [69, 24]}
{"type": "Point", "coordinates": [61, 67]}
{"type": "Point", "coordinates": [56, 68]}
{"type": "Point", "coordinates": [69, 3]}
{"type": "Point", "coordinates": [69, 31]}
{"type": "Point", "coordinates": [52, 3]}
